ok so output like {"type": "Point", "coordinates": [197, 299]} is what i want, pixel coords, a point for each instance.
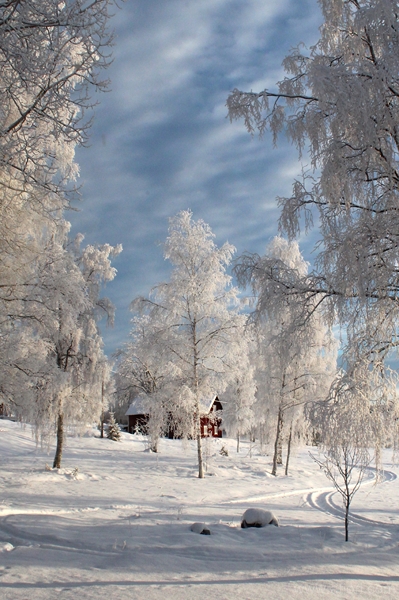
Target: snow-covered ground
{"type": "Point", "coordinates": [114, 523]}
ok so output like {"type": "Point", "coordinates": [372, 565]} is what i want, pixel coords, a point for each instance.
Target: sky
{"type": "Point", "coordinates": [161, 141]}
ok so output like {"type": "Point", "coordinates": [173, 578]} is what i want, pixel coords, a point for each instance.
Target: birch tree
{"type": "Point", "coordinates": [355, 418]}
{"type": "Point", "coordinates": [197, 312]}
{"type": "Point", "coordinates": [51, 58]}
{"type": "Point", "coordinates": [340, 103]}
{"type": "Point", "coordinates": [296, 359]}
{"type": "Point", "coordinates": [145, 371]}
{"type": "Point", "coordinates": [239, 397]}
{"type": "Point", "coordinates": [66, 305]}
{"type": "Point", "coordinates": [51, 54]}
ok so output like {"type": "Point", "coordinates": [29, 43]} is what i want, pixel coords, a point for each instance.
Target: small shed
{"type": "Point", "coordinates": [137, 417]}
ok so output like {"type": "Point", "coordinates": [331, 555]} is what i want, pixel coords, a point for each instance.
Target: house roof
{"type": "Point", "coordinates": [206, 405]}
{"type": "Point", "coordinates": [137, 406]}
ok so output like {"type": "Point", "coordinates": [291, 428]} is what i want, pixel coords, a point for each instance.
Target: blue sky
{"type": "Point", "coordinates": [161, 142]}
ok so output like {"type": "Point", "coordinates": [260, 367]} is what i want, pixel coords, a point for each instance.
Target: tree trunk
{"type": "Point", "coordinates": [197, 405]}
{"type": "Point", "coordinates": [262, 438]}
{"type": "Point", "coordinates": [347, 520]}
{"type": "Point", "coordinates": [60, 441]}
{"type": "Point", "coordinates": [102, 411]}
{"type": "Point", "coordinates": [238, 442]}
{"type": "Point", "coordinates": [199, 440]}
{"type": "Point", "coordinates": [280, 451]}
{"type": "Point", "coordinates": [199, 450]}
{"type": "Point", "coordinates": [277, 442]}
{"type": "Point", "coordinates": [154, 444]}
{"type": "Point", "coordinates": [288, 450]}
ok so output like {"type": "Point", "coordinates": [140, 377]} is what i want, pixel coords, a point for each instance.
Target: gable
{"type": "Point", "coordinates": [136, 408]}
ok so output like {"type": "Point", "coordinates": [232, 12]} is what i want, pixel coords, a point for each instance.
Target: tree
{"type": "Point", "coordinates": [66, 305]}
{"type": "Point", "coordinates": [51, 53]}
{"type": "Point", "coordinates": [345, 465]}
{"type": "Point", "coordinates": [51, 56]}
{"type": "Point", "coordinates": [113, 432]}
{"type": "Point", "coordinates": [349, 421]}
{"type": "Point", "coordinates": [145, 371]}
{"type": "Point", "coordinates": [237, 400]}
{"type": "Point", "coordinates": [340, 103]}
{"type": "Point", "coordinates": [197, 319]}
{"type": "Point", "coordinates": [238, 417]}
{"type": "Point", "coordinates": [296, 359]}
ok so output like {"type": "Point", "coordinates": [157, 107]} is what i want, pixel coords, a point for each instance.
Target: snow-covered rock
{"type": "Point", "coordinates": [200, 528]}
{"type": "Point", "coordinates": [257, 517]}
{"type": "Point", "coordinates": [6, 547]}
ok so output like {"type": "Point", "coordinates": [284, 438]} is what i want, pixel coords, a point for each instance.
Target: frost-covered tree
{"type": "Point", "coordinates": [349, 422]}
{"type": "Point", "coordinates": [340, 103]}
{"type": "Point", "coordinates": [145, 371]}
{"type": "Point", "coordinates": [198, 320]}
{"type": "Point", "coordinates": [237, 400]}
{"type": "Point", "coordinates": [106, 381]}
{"type": "Point", "coordinates": [23, 238]}
{"type": "Point", "coordinates": [364, 405]}
{"type": "Point", "coordinates": [345, 465]}
{"type": "Point", "coordinates": [51, 54]}
{"type": "Point", "coordinates": [113, 431]}
{"type": "Point", "coordinates": [65, 307]}
{"type": "Point", "coordinates": [296, 359]}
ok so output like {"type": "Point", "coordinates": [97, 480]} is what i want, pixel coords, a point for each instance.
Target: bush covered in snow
{"type": "Point", "coordinates": [257, 517]}
{"type": "Point", "coordinates": [200, 528]}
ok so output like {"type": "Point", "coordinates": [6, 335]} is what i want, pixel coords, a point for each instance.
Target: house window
{"type": "Point", "coordinates": [205, 430]}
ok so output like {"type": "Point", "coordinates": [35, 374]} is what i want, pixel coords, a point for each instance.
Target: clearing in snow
{"type": "Point", "coordinates": [115, 523]}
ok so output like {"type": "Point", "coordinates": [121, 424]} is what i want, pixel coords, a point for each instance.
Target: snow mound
{"type": "Point", "coordinates": [7, 547]}
{"type": "Point", "coordinates": [201, 528]}
{"type": "Point", "coordinates": [257, 517]}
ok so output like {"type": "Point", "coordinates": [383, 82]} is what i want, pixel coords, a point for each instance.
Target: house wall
{"type": "Point", "coordinates": [211, 427]}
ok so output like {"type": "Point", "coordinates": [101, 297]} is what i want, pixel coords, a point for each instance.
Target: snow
{"type": "Point", "coordinates": [201, 528]}
{"type": "Point", "coordinates": [136, 408]}
{"type": "Point", "coordinates": [120, 527]}
{"type": "Point", "coordinates": [258, 517]}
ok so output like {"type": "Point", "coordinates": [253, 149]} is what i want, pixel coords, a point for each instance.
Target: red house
{"type": "Point", "coordinates": [211, 419]}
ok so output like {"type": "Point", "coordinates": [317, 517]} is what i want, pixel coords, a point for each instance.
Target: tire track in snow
{"type": "Point", "coordinates": [286, 494]}
{"type": "Point", "coordinates": [312, 493]}
{"type": "Point", "coordinates": [323, 500]}
{"type": "Point", "coordinates": [273, 496]}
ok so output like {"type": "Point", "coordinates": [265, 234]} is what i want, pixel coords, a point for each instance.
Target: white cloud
{"type": "Point", "coordinates": [161, 141]}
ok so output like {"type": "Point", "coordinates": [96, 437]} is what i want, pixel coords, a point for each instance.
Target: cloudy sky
{"type": "Point", "coordinates": [161, 141]}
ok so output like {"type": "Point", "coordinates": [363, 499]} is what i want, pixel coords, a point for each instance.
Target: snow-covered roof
{"type": "Point", "coordinates": [136, 408]}
{"type": "Point", "coordinates": [206, 405]}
